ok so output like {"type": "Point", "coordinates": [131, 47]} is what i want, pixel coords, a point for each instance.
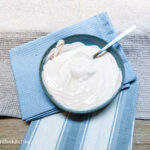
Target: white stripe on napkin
{"type": "Point", "coordinates": [48, 132]}
{"type": "Point", "coordinates": [100, 128]}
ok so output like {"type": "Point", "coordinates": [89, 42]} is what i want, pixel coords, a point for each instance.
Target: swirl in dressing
{"type": "Point", "coordinates": [78, 81]}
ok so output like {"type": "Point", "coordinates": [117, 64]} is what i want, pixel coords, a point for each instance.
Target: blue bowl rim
{"type": "Point", "coordinates": [95, 108]}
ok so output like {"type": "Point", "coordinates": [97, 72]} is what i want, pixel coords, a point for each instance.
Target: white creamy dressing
{"type": "Point", "coordinates": [78, 81]}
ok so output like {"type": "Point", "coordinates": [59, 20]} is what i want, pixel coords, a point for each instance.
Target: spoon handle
{"type": "Point", "coordinates": [115, 40]}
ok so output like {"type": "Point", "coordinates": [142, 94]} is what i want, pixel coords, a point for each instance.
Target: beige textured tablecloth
{"type": "Point", "coordinates": [136, 47]}
{"type": "Point", "coordinates": [51, 15]}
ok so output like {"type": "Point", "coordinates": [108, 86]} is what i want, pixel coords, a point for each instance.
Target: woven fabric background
{"type": "Point", "coordinates": [48, 15]}
{"type": "Point", "coordinates": [136, 47]}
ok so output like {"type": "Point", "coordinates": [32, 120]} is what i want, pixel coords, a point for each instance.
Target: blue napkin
{"type": "Point", "coordinates": [25, 60]}
{"type": "Point", "coordinates": [108, 129]}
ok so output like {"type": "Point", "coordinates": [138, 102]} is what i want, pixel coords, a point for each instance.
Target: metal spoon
{"type": "Point", "coordinates": [114, 41]}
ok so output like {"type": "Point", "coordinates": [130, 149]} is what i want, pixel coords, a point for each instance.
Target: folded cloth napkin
{"type": "Point", "coordinates": [108, 129]}
{"type": "Point", "coordinates": [25, 60]}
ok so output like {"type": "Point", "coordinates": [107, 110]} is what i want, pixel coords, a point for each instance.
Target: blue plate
{"type": "Point", "coordinates": [87, 40]}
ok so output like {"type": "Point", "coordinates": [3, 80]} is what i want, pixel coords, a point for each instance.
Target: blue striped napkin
{"type": "Point", "coordinates": [25, 61]}
{"type": "Point", "coordinates": [108, 129]}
